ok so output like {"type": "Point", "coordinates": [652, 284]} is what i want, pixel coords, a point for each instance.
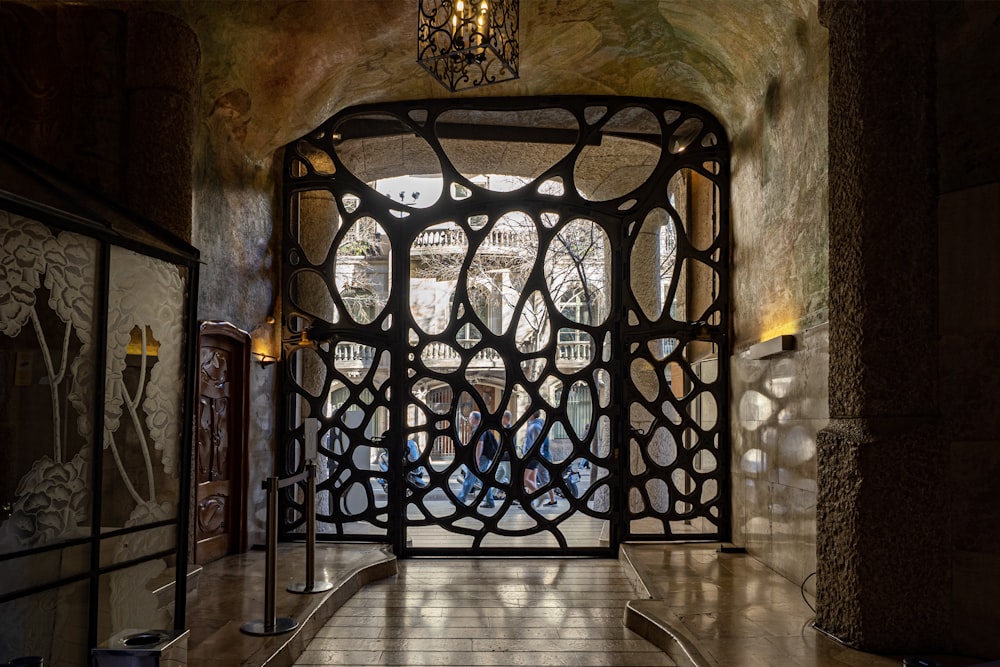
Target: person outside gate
{"type": "Point", "coordinates": [486, 450]}
{"type": "Point", "coordinates": [414, 477]}
{"type": "Point", "coordinates": [534, 465]}
{"type": "Point", "coordinates": [503, 468]}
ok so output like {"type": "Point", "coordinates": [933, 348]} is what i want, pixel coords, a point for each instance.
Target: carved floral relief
{"type": "Point", "coordinates": [52, 497]}
{"type": "Point", "coordinates": [47, 303]}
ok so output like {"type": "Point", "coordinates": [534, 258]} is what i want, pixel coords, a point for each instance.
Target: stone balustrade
{"type": "Point", "coordinates": [454, 238]}
{"type": "Point", "coordinates": [358, 355]}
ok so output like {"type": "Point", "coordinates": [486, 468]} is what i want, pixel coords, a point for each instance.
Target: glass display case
{"type": "Point", "coordinates": [97, 321]}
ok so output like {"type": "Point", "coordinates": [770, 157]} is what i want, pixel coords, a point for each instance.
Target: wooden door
{"type": "Point", "coordinates": [221, 449]}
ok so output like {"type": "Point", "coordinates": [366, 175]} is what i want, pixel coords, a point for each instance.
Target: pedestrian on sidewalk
{"type": "Point", "coordinates": [535, 448]}
{"type": "Point", "coordinates": [486, 450]}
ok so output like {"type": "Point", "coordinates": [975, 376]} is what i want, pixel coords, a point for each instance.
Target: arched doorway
{"type": "Point", "coordinates": [564, 260]}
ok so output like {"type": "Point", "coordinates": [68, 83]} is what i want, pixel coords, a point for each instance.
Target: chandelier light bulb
{"type": "Point", "coordinates": [468, 43]}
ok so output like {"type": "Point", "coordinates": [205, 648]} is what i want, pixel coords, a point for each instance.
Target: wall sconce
{"type": "Point", "coordinates": [772, 347]}
{"type": "Point", "coordinates": [262, 344]}
{"type": "Point", "coordinates": [264, 360]}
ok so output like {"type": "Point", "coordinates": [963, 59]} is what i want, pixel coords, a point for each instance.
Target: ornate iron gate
{"type": "Point", "coordinates": [565, 260]}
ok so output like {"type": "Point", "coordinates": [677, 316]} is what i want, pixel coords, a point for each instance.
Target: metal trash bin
{"type": "Point", "coordinates": [142, 648]}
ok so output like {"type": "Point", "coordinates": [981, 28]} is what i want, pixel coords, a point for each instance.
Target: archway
{"type": "Point", "coordinates": [566, 258]}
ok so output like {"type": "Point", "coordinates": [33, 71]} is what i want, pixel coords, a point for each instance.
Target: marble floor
{"type": "Point", "coordinates": [488, 612]}
{"type": "Point", "coordinates": [728, 609]}
{"type": "Point", "coordinates": [230, 592]}
{"type": "Point", "coordinates": [689, 605]}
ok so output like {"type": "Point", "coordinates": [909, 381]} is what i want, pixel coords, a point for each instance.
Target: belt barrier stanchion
{"type": "Point", "coordinates": [270, 625]}
{"type": "Point", "coordinates": [311, 585]}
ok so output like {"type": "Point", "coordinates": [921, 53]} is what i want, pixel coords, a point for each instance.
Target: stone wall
{"type": "Point", "coordinates": [778, 406]}
{"type": "Point", "coordinates": [780, 285]}
{"type": "Point", "coordinates": [237, 228]}
{"type": "Point", "coordinates": [882, 455]}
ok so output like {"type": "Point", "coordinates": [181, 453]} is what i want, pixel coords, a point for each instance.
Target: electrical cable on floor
{"type": "Point", "coordinates": [802, 590]}
{"type": "Point", "coordinates": [807, 624]}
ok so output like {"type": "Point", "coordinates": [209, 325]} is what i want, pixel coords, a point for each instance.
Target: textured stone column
{"type": "Point", "coordinates": [161, 77]}
{"type": "Point", "coordinates": [882, 545]}
{"type": "Point", "coordinates": [61, 93]}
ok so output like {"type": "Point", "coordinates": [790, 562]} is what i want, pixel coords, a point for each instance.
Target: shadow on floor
{"type": "Point", "coordinates": [702, 607]}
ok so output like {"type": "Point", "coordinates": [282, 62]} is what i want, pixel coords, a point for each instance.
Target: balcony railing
{"type": "Point", "coordinates": [581, 351]}
{"type": "Point", "coordinates": [453, 239]}
{"type": "Point", "coordinates": [359, 355]}
{"type": "Point", "coordinates": [442, 352]}
{"type": "Point", "coordinates": [354, 352]}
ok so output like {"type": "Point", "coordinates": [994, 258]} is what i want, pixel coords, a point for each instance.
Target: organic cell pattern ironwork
{"type": "Point", "coordinates": [564, 260]}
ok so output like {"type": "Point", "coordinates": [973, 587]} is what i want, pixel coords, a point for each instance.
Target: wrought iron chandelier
{"type": "Point", "coordinates": [468, 43]}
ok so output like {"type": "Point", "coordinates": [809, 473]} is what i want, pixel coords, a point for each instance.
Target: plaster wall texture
{"type": "Point", "coordinates": [779, 207]}
{"type": "Point", "coordinates": [718, 55]}
{"type": "Point", "coordinates": [780, 196]}
{"type": "Point", "coordinates": [730, 57]}
{"type": "Point", "coordinates": [779, 286]}
{"type": "Point", "coordinates": [234, 214]}
{"type": "Point", "coordinates": [246, 110]}
{"type": "Point", "coordinates": [235, 225]}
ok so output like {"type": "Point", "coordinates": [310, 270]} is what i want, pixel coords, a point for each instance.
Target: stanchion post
{"type": "Point", "coordinates": [271, 559]}
{"type": "Point", "coordinates": [311, 525]}
{"type": "Point", "coordinates": [270, 625]}
{"type": "Point", "coordinates": [311, 585]}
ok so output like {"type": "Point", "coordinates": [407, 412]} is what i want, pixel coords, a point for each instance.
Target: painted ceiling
{"type": "Point", "coordinates": [282, 67]}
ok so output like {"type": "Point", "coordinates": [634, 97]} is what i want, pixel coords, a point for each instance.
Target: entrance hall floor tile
{"type": "Point", "coordinates": [730, 610]}
{"type": "Point", "coordinates": [488, 612]}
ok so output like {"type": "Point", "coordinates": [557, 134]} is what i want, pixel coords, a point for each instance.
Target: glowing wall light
{"type": "Point", "coordinates": [772, 347]}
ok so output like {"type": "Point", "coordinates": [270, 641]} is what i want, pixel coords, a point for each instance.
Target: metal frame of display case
{"type": "Point", "coordinates": [33, 190]}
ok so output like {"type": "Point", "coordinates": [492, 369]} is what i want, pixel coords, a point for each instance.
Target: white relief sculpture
{"type": "Point", "coordinates": [145, 293]}
{"type": "Point", "coordinates": [52, 498]}
{"type": "Point", "coordinates": [131, 599]}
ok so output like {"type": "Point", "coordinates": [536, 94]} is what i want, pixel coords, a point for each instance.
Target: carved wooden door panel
{"type": "Point", "coordinates": [220, 459]}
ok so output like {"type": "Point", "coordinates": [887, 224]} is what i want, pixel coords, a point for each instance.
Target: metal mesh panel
{"type": "Point", "coordinates": [564, 260]}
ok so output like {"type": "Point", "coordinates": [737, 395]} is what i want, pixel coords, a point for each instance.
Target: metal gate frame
{"type": "Point", "coordinates": [659, 475]}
